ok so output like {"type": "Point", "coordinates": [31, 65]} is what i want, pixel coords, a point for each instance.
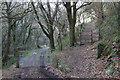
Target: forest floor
{"type": "Point", "coordinates": [81, 61]}
{"type": "Point", "coordinates": [28, 72]}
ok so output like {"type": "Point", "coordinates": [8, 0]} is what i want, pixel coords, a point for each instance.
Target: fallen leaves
{"type": "Point", "coordinates": [83, 63]}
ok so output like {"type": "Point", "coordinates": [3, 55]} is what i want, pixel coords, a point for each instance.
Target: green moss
{"type": "Point", "coordinates": [101, 43]}
{"type": "Point", "coordinates": [111, 71]}
{"type": "Point", "coordinates": [10, 62]}
{"type": "Point", "coordinates": [102, 49]}
{"type": "Point", "coordinates": [59, 63]}
{"type": "Point", "coordinates": [65, 40]}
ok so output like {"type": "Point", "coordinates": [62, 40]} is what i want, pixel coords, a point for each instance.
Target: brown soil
{"type": "Point", "coordinates": [82, 63]}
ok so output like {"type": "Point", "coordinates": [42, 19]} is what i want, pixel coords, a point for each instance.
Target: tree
{"type": "Point", "coordinates": [118, 28]}
{"type": "Point", "coordinates": [118, 12]}
{"type": "Point", "coordinates": [100, 18]}
{"type": "Point", "coordinates": [61, 22]}
{"type": "Point", "coordinates": [98, 8]}
{"type": "Point", "coordinates": [49, 18]}
{"type": "Point", "coordinates": [11, 15]}
{"type": "Point", "coordinates": [71, 8]}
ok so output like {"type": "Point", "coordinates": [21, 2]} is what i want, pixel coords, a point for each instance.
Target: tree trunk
{"type": "Point", "coordinates": [52, 46]}
{"type": "Point", "coordinates": [72, 35]}
{"type": "Point", "coordinates": [118, 43]}
{"type": "Point", "coordinates": [118, 15]}
{"type": "Point", "coordinates": [49, 32]}
{"type": "Point", "coordinates": [71, 14]}
{"type": "Point", "coordinates": [101, 17]}
{"type": "Point", "coordinates": [51, 38]}
{"type": "Point", "coordinates": [60, 42]}
{"type": "Point", "coordinates": [16, 55]}
{"type": "Point", "coordinates": [71, 26]}
{"type": "Point", "coordinates": [5, 58]}
{"type": "Point", "coordinates": [17, 60]}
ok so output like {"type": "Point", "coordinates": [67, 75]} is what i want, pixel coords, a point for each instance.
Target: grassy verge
{"type": "Point", "coordinates": [10, 62]}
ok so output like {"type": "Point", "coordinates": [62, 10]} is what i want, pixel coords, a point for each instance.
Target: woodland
{"type": "Point", "coordinates": [60, 39]}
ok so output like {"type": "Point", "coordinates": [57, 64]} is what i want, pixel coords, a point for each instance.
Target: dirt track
{"type": "Point", "coordinates": [82, 61]}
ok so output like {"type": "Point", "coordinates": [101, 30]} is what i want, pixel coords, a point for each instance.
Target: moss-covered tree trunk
{"type": "Point", "coordinates": [71, 14]}
{"type": "Point", "coordinates": [5, 56]}
{"type": "Point", "coordinates": [100, 21]}
{"type": "Point", "coordinates": [51, 38]}
{"type": "Point", "coordinates": [72, 9]}
{"type": "Point", "coordinates": [60, 42]}
{"type": "Point", "coordinates": [118, 28]}
{"type": "Point", "coordinates": [118, 15]}
{"type": "Point", "coordinates": [9, 21]}
{"type": "Point", "coordinates": [49, 18]}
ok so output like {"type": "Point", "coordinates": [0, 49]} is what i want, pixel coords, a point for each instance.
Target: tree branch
{"type": "Point", "coordinates": [83, 5]}
{"type": "Point", "coordinates": [42, 26]}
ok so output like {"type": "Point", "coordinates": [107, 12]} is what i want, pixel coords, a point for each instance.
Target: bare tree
{"type": "Point", "coordinates": [72, 9]}
{"type": "Point", "coordinates": [49, 17]}
{"type": "Point", "coordinates": [11, 16]}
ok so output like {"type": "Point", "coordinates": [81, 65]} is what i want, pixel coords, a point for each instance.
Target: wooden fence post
{"type": "Point", "coordinates": [42, 60]}
{"type": "Point", "coordinates": [17, 59]}
{"type": "Point", "coordinates": [91, 36]}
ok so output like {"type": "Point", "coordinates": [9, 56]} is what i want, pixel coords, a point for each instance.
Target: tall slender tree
{"type": "Point", "coordinates": [49, 17]}
{"type": "Point", "coordinates": [11, 16]}
{"type": "Point", "coordinates": [71, 8]}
